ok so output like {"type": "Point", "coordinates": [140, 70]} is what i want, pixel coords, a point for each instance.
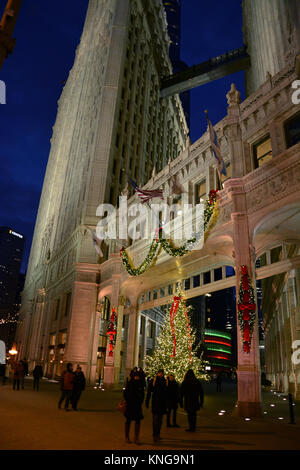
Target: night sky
{"type": "Point", "coordinates": [47, 34]}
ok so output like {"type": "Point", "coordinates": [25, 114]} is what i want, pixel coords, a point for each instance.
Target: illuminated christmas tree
{"type": "Point", "coordinates": [176, 349]}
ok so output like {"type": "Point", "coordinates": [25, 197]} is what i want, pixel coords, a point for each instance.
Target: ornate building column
{"type": "Point", "coordinates": [113, 362]}
{"type": "Point", "coordinates": [133, 339]}
{"type": "Point", "coordinates": [82, 312]}
{"type": "Point", "coordinates": [37, 321]}
{"type": "Point", "coordinates": [248, 371]}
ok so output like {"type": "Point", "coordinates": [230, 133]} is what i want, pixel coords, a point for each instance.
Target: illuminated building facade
{"type": "Point", "coordinates": [11, 252]}
{"type": "Point", "coordinates": [173, 11]}
{"type": "Point", "coordinates": [218, 350]}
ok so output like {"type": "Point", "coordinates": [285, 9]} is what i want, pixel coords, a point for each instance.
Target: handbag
{"type": "Point", "coordinates": [122, 406]}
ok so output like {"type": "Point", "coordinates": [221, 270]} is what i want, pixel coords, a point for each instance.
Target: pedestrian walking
{"type": "Point", "coordinates": [18, 374]}
{"type": "Point", "coordinates": [134, 397]}
{"type": "Point", "coordinates": [143, 376]}
{"type": "Point", "coordinates": [78, 387]}
{"type": "Point", "coordinates": [37, 375]}
{"type": "Point", "coordinates": [191, 398]}
{"type": "Point", "coordinates": [157, 389]}
{"type": "Point", "coordinates": [219, 382]}
{"type": "Point", "coordinates": [172, 400]}
{"type": "Point", "coordinates": [66, 386]}
{"type": "Point", "coordinates": [25, 365]}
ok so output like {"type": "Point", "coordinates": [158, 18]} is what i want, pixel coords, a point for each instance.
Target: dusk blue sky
{"type": "Point", "coordinates": [47, 34]}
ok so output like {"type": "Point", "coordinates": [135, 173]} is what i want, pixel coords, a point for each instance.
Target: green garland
{"type": "Point", "coordinates": [158, 241]}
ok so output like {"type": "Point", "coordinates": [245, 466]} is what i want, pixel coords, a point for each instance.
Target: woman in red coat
{"type": "Point", "coordinates": [66, 386]}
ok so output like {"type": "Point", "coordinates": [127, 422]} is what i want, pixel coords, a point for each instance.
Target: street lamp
{"type": "Point", "coordinates": [13, 351]}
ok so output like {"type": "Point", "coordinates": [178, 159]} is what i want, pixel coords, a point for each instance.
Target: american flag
{"type": "Point", "coordinates": [221, 168]}
{"type": "Point", "coordinates": [145, 194]}
{"type": "Point", "coordinates": [97, 242]}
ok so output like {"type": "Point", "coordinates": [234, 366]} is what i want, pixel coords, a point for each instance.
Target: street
{"type": "Point", "coordinates": [32, 421]}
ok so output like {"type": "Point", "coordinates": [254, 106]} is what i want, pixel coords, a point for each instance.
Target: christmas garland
{"type": "Point", "coordinates": [210, 217]}
{"type": "Point", "coordinates": [112, 331]}
{"type": "Point", "coordinates": [246, 309]}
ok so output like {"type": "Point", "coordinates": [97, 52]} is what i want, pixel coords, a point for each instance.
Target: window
{"type": "Point", "coordinates": [57, 302]}
{"type": "Point", "coordinates": [170, 289]}
{"type": "Point", "coordinates": [218, 274]}
{"type": "Point", "coordinates": [206, 278]}
{"type": "Point", "coordinates": [187, 284]}
{"type": "Point", "coordinates": [154, 294]}
{"type": "Point", "coordinates": [262, 152]}
{"type": "Point", "coordinates": [68, 304]}
{"type": "Point", "coordinates": [105, 309]}
{"type": "Point", "coordinates": [196, 280]}
{"type": "Point", "coordinates": [292, 131]}
{"type": "Point", "coordinates": [200, 192]}
{"type": "Point", "coordinates": [150, 329]}
{"type": "Point", "coordinates": [276, 254]}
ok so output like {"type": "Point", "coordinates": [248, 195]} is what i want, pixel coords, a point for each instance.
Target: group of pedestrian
{"type": "Point", "coordinates": [72, 384]}
{"type": "Point", "coordinates": [166, 395]}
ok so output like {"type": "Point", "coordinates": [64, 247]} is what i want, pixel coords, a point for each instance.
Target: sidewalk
{"type": "Point", "coordinates": [31, 421]}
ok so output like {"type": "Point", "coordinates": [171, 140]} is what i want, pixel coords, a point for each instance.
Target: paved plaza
{"type": "Point", "coordinates": [32, 421]}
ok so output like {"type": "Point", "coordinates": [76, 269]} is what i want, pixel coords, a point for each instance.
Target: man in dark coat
{"type": "Point", "coordinates": [157, 389]}
{"type": "Point", "coordinates": [134, 397]}
{"type": "Point", "coordinates": [37, 375]}
{"type": "Point", "coordinates": [66, 386]}
{"type": "Point", "coordinates": [172, 400]}
{"type": "Point", "coordinates": [191, 396]}
{"type": "Point", "coordinates": [78, 387]}
{"type": "Point", "coordinates": [25, 365]}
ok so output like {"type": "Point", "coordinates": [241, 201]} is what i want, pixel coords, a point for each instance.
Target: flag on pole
{"type": "Point", "coordinates": [145, 194]}
{"type": "Point", "coordinates": [97, 242]}
{"type": "Point", "coordinates": [221, 168]}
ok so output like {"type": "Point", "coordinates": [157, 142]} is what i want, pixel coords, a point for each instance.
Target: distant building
{"type": "Point", "coordinates": [271, 33]}
{"type": "Point", "coordinates": [110, 118]}
{"type": "Point", "coordinates": [173, 12]}
{"type": "Point", "coordinates": [218, 350]}
{"type": "Point", "coordinates": [11, 251]}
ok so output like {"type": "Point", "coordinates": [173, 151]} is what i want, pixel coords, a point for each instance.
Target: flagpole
{"type": "Point", "coordinates": [218, 173]}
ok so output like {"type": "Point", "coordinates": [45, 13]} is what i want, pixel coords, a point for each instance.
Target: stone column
{"type": "Point", "coordinates": [82, 311]}
{"type": "Point", "coordinates": [133, 339]}
{"type": "Point", "coordinates": [36, 339]}
{"type": "Point", "coordinates": [109, 374]}
{"type": "Point", "coordinates": [91, 375]}
{"type": "Point", "coordinates": [145, 340]}
{"type": "Point", "coordinates": [248, 371]}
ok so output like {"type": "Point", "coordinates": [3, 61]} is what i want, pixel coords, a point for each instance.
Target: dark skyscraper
{"type": "Point", "coordinates": [173, 12]}
{"type": "Point", "coordinates": [11, 251]}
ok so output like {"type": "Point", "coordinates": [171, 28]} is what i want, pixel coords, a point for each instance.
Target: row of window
{"type": "Point", "coordinates": [67, 306]}
{"type": "Point", "coordinates": [190, 283]}
{"type": "Point", "coordinates": [262, 150]}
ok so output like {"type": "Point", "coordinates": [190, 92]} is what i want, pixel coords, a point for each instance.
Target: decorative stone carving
{"type": "Point", "coordinates": [233, 96]}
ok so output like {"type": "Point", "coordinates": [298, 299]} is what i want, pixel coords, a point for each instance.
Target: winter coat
{"type": "Point", "coordinates": [172, 394]}
{"type": "Point", "coordinates": [18, 372]}
{"type": "Point", "coordinates": [191, 395]}
{"type": "Point", "coordinates": [25, 365]}
{"type": "Point", "coordinates": [157, 388]}
{"type": "Point", "coordinates": [66, 380]}
{"type": "Point", "coordinates": [134, 397]}
{"type": "Point", "coordinates": [37, 372]}
{"type": "Point", "coordinates": [79, 381]}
